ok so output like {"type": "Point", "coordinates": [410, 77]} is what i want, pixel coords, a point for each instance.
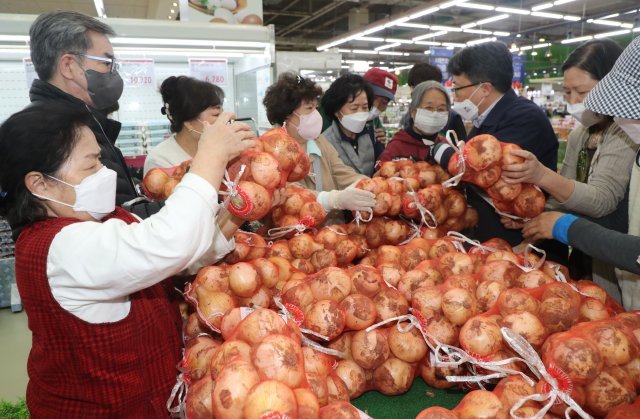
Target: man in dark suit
{"type": "Point", "coordinates": [482, 76]}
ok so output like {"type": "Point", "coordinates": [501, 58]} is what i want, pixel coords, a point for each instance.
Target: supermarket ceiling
{"type": "Point", "coordinates": [366, 28]}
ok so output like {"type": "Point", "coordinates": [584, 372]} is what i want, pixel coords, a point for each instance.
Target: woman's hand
{"type": "Point", "coordinates": [227, 140]}
{"type": "Point", "coordinates": [512, 224]}
{"type": "Point", "coordinates": [541, 227]}
{"type": "Point", "coordinates": [380, 135]}
{"type": "Point", "coordinates": [531, 171]}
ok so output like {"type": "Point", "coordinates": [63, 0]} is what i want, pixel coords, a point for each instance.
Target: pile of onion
{"type": "Point", "coordinates": [299, 208]}
{"type": "Point", "coordinates": [159, 183]}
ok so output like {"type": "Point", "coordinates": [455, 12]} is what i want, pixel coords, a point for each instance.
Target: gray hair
{"type": "Point", "coordinates": [416, 98]}
{"type": "Point", "coordinates": [55, 33]}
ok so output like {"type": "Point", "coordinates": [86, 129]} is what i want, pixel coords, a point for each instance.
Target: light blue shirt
{"type": "Point", "coordinates": [312, 148]}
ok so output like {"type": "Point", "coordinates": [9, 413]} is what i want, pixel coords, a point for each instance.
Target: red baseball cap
{"type": "Point", "coordinates": [382, 82]}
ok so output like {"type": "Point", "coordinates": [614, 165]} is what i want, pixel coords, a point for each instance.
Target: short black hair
{"type": "Point", "coordinates": [489, 62]}
{"type": "Point", "coordinates": [185, 98]}
{"type": "Point", "coordinates": [38, 139]}
{"type": "Point", "coordinates": [423, 72]}
{"type": "Point", "coordinates": [285, 95]}
{"type": "Point", "coordinates": [345, 89]}
{"type": "Point", "coordinates": [596, 57]}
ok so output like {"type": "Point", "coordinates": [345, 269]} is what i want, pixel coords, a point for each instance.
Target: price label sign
{"type": "Point", "coordinates": [30, 71]}
{"type": "Point", "coordinates": [209, 70]}
{"type": "Point", "coordinates": [137, 72]}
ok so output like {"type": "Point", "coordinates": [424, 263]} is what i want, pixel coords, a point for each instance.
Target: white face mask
{"type": "Point", "coordinates": [582, 114]}
{"type": "Point", "coordinates": [467, 109]}
{"type": "Point", "coordinates": [195, 130]}
{"type": "Point", "coordinates": [631, 127]}
{"type": "Point", "coordinates": [429, 122]}
{"type": "Point", "coordinates": [354, 122]}
{"type": "Point", "coordinates": [374, 113]}
{"type": "Point", "coordinates": [95, 194]}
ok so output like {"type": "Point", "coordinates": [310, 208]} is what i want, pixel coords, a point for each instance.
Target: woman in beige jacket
{"type": "Point", "coordinates": [291, 102]}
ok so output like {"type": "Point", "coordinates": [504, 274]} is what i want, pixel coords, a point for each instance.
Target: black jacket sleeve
{"type": "Point", "coordinates": [455, 123]}
{"type": "Point", "coordinates": [619, 249]}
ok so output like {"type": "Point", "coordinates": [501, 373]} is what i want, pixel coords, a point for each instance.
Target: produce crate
{"type": "Point", "coordinates": [7, 279]}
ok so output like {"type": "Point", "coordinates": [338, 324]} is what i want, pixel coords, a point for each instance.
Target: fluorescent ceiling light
{"type": "Point", "coordinates": [370, 39]}
{"type": "Point", "coordinates": [478, 31]}
{"type": "Point", "coordinates": [636, 29]}
{"type": "Point", "coordinates": [386, 46]}
{"type": "Point", "coordinates": [559, 2]}
{"type": "Point", "coordinates": [452, 3]}
{"type": "Point", "coordinates": [413, 25]}
{"type": "Point", "coordinates": [549, 15]}
{"type": "Point", "coordinates": [614, 33]}
{"type": "Point", "coordinates": [186, 42]}
{"type": "Point", "coordinates": [541, 7]}
{"type": "Point", "coordinates": [429, 35]}
{"type": "Point", "coordinates": [374, 29]}
{"type": "Point", "coordinates": [427, 52]}
{"type": "Point", "coordinates": [610, 16]}
{"type": "Point", "coordinates": [172, 52]}
{"type": "Point", "coordinates": [578, 39]}
{"type": "Point", "coordinates": [345, 51]}
{"type": "Point", "coordinates": [610, 23]}
{"type": "Point", "coordinates": [446, 28]}
{"type": "Point", "coordinates": [399, 40]}
{"type": "Point", "coordinates": [396, 21]}
{"type": "Point", "coordinates": [572, 18]}
{"type": "Point", "coordinates": [493, 19]}
{"type": "Point", "coordinates": [331, 45]}
{"type": "Point", "coordinates": [392, 53]}
{"type": "Point", "coordinates": [511, 10]}
{"type": "Point", "coordinates": [500, 33]}
{"type": "Point", "coordinates": [469, 25]}
{"type": "Point", "coordinates": [541, 45]}
{"type": "Point", "coordinates": [432, 43]}
{"type": "Point", "coordinates": [100, 8]}
{"type": "Point", "coordinates": [477, 6]}
{"type": "Point", "coordinates": [454, 44]}
{"type": "Point", "coordinates": [424, 12]}
{"type": "Point", "coordinates": [528, 47]}
{"type": "Point", "coordinates": [481, 41]}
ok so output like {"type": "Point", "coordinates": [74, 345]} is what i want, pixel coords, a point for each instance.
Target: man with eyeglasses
{"type": "Point", "coordinates": [74, 59]}
{"type": "Point", "coordinates": [482, 76]}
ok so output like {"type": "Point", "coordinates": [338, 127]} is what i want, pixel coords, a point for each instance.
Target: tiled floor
{"type": "Point", "coordinates": [15, 343]}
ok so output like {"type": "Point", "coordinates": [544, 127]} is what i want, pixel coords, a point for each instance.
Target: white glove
{"type": "Point", "coordinates": [350, 199]}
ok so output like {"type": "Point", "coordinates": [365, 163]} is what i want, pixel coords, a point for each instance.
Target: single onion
{"type": "Point", "coordinates": [370, 349]}
{"type": "Point", "coordinates": [427, 301]}
{"type": "Point", "coordinates": [262, 298]}
{"type": "Point", "coordinates": [303, 265]}
{"type": "Point", "coordinates": [212, 278]}
{"type": "Point", "coordinates": [454, 263]}
{"type": "Point", "coordinates": [193, 326]}
{"type": "Point", "coordinates": [391, 273]}
{"type": "Point", "coordinates": [503, 271]}
{"type": "Point", "coordinates": [258, 324]}
{"type": "Point", "coordinates": [437, 412]}
{"type": "Point", "coordinates": [441, 247]}
{"type": "Point", "coordinates": [592, 309]}
{"type": "Point", "coordinates": [279, 357]}
{"type": "Point", "coordinates": [437, 376]}
{"type": "Point", "coordinates": [267, 270]}
{"type": "Point", "coordinates": [331, 284]}
{"type": "Point", "coordinates": [318, 385]}
{"type": "Point", "coordinates": [395, 231]}
{"type": "Point", "coordinates": [610, 388]}
{"type": "Point", "coordinates": [324, 259]}
{"type": "Point", "coordinates": [526, 325]}
{"type": "Point", "coordinates": [479, 404]}
{"type": "Point", "coordinates": [533, 279]}
{"type": "Point", "coordinates": [408, 346]}
{"type": "Point", "coordinates": [252, 202]}
{"type": "Point", "coordinates": [487, 294]}
{"type": "Point", "coordinates": [393, 377]}
{"type": "Point", "coordinates": [303, 246]}
{"type": "Point", "coordinates": [482, 151]}
{"type": "Point", "coordinates": [244, 280]}
{"type": "Point", "coordinates": [353, 376]}
{"type": "Point", "coordinates": [199, 403]}
{"type": "Point", "coordinates": [313, 211]}
{"type": "Point", "coordinates": [530, 203]}
{"type": "Point", "coordinates": [557, 314]}
{"type": "Point", "coordinates": [198, 354]}
{"type": "Point", "coordinates": [412, 255]}
{"type": "Point", "coordinates": [270, 398]}
{"type": "Point", "coordinates": [336, 389]}
{"type": "Point", "coordinates": [577, 357]}
{"type": "Point", "coordinates": [411, 281]}
{"type": "Point", "coordinates": [443, 330]}
{"type": "Point", "coordinates": [280, 248]}
{"type": "Point", "coordinates": [614, 345]}
{"type": "Point", "coordinates": [366, 280]}
{"type": "Point", "coordinates": [339, 410]}
{"type": "Point", "coordinates": [360, 311]}
{"type": "Point", "coordinates": [330, 236]}
{"type": "Point", "coordinates": [227, 352]}
{"type": "Point", "coordinates": [264, 170]}
{"type": "Point", "coordinates": [458, 305]}
{"type": "Point", "coordinates": [326, 318]}
{"type": "Point", "coordinates": [213, 305]}
{"type": "Point", "coordinates": [514, 300]}
{"type": "Point", "coordinates": [480, 336]}
{"type": "Point", "coordinates": [316, 362]}
{"type": "Point", "coordinates": [232, 387]}
{"type": "Point", "coordinates": [390, 303]}
{"type": "Point", "coordinates": [346, 251]}
{"type": "Point", "coordinates": [308, 404]}
{"type": "Point", "coordinates": [154, 182]}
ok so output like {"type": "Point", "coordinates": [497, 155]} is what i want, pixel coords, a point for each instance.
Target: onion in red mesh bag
{"type": "Point", "coordinates": [393, 377]}
{"type": "Point", "coordinates": [353, 376]}
{"type": "Point", "coordinates": [232, 387]}
{"type": "Point", "coordinates": [251, 203]}
{"type": "Point", "coordinates": [370, 349]}
{"type": "Point", "coordinates": [278, 357]}
{"type": "Point", "coordinates": [482, 151]}
{"type": "Point", "coordinates": [199, 403]}
{"type": "Point", "coordinates": [270, 398]}
{"type": "Point", "coordinates": [198, 354]}
{"type": "Point", "coordinates": [339, 410]}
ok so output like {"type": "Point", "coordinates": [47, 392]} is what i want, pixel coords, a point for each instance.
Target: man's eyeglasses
{"type": "Point", "coordinates": [113, 65]}
{"type": "Point", "coordinates": [455, 89]}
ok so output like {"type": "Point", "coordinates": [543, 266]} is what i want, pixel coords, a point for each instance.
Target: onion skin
{"type": "Point", "coordinates": [407, 346]}
{"type": "Point", "coordinates": [514, 300]}
{"type": "Point", "coordinates": [336, 389]}
{"type": "Point", "coordinates": [390, 303]}
{"type": "Point", "coordinates": [437, 412]}
{"type": "Point", "coordinates": [610, 388]}
{"type": "Point", "coordinates": [577, 357]}
{"type": "Point", "coordinates": [199, 402]}
{"type": "Point", "coordinates": [526, 325]}
{"type": "Point", "coordinates": [308, 405]}
{"type": "Point", "coordinates": [481, 336]}
{"type": "Point", "coordinates": [198, 355]}
{"type": "Point", "coordinates": [279, 357]}
{"type": "Point", "coordinates": [458, 305]}
{"type": "Point", "coordinates": [353, 376]}
{"type": "Point", "coordinates": [360, 311]}
{"type": "Point", "coordinates": [482, 151]}
{"type": "Point", "coordinates": [243, 279]}
{"type": "Point", "coordinates": [480, 404]}
{"type": "Point", "coordinates": [339, 410]}
{"type": "Point", "coordinates": [259, 324]}
{"type": "Point", "coordinates": [325, 317]}
{"type": "Point", "coordinates": [270, 396]}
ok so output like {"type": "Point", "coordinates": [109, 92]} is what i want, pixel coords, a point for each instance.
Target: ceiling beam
{"type": "Point", "coordinates": [317, 14]}
{"type": "Point", "coordinates": [284, 9]}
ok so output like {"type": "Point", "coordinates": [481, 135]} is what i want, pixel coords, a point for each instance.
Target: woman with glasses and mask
{"type": "Point", "coordinates": [188, 103]}
{"type": "Point", "coordinates": [596, 169]}
{"type": "Point", "coordinates": [428, 114]}
{"type": "Point", "coordinates": [348, 102]}
{"type": "Point", "coordinates": [291, 102]}
{"type": "Point", "coordinates": [91, 275]}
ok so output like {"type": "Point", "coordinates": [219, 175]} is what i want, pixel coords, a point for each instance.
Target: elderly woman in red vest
{"type": "Point", "coordinates": [106, 338]}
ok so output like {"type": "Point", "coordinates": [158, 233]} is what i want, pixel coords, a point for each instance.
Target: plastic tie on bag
{"type": "Point", "coordinates": [557, 385]}
{"type": "Point", "coordinates": [527, 266]}
{"type": "Point", "coordinates": [462, 167]}
{"type": "Point", "coordinates": [479, 247]}
{"type": "Point", "coordinates": [233, 191]}
{"type": "Point", "coordinates": [415, 231]}
{"type": "Point", "coordinates": [359, 217]}
{"type": "Point", "coordinates": [423, 211]}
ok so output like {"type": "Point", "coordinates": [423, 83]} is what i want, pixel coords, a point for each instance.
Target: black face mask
{"type": "Point", "coordinates": [104, 88]}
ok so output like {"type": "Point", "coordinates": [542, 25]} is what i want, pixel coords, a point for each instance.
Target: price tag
{"type": "Point", "coordinates": [137, 72]}
{"type": "Point", "coordinates": [30, 71]}
{"type": "Point", "coordinates": [209, 70]}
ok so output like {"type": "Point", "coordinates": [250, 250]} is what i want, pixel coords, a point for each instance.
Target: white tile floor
{"type": "Point", "coordinates": [15, 343]}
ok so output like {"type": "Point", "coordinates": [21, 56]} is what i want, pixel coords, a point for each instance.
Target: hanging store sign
{"type": "Point", "coordinates": [440, 57]}
{"type": "Point", "coordinates": [137, 72]}
{"type": "Point", "coordinates": [209, 70]}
